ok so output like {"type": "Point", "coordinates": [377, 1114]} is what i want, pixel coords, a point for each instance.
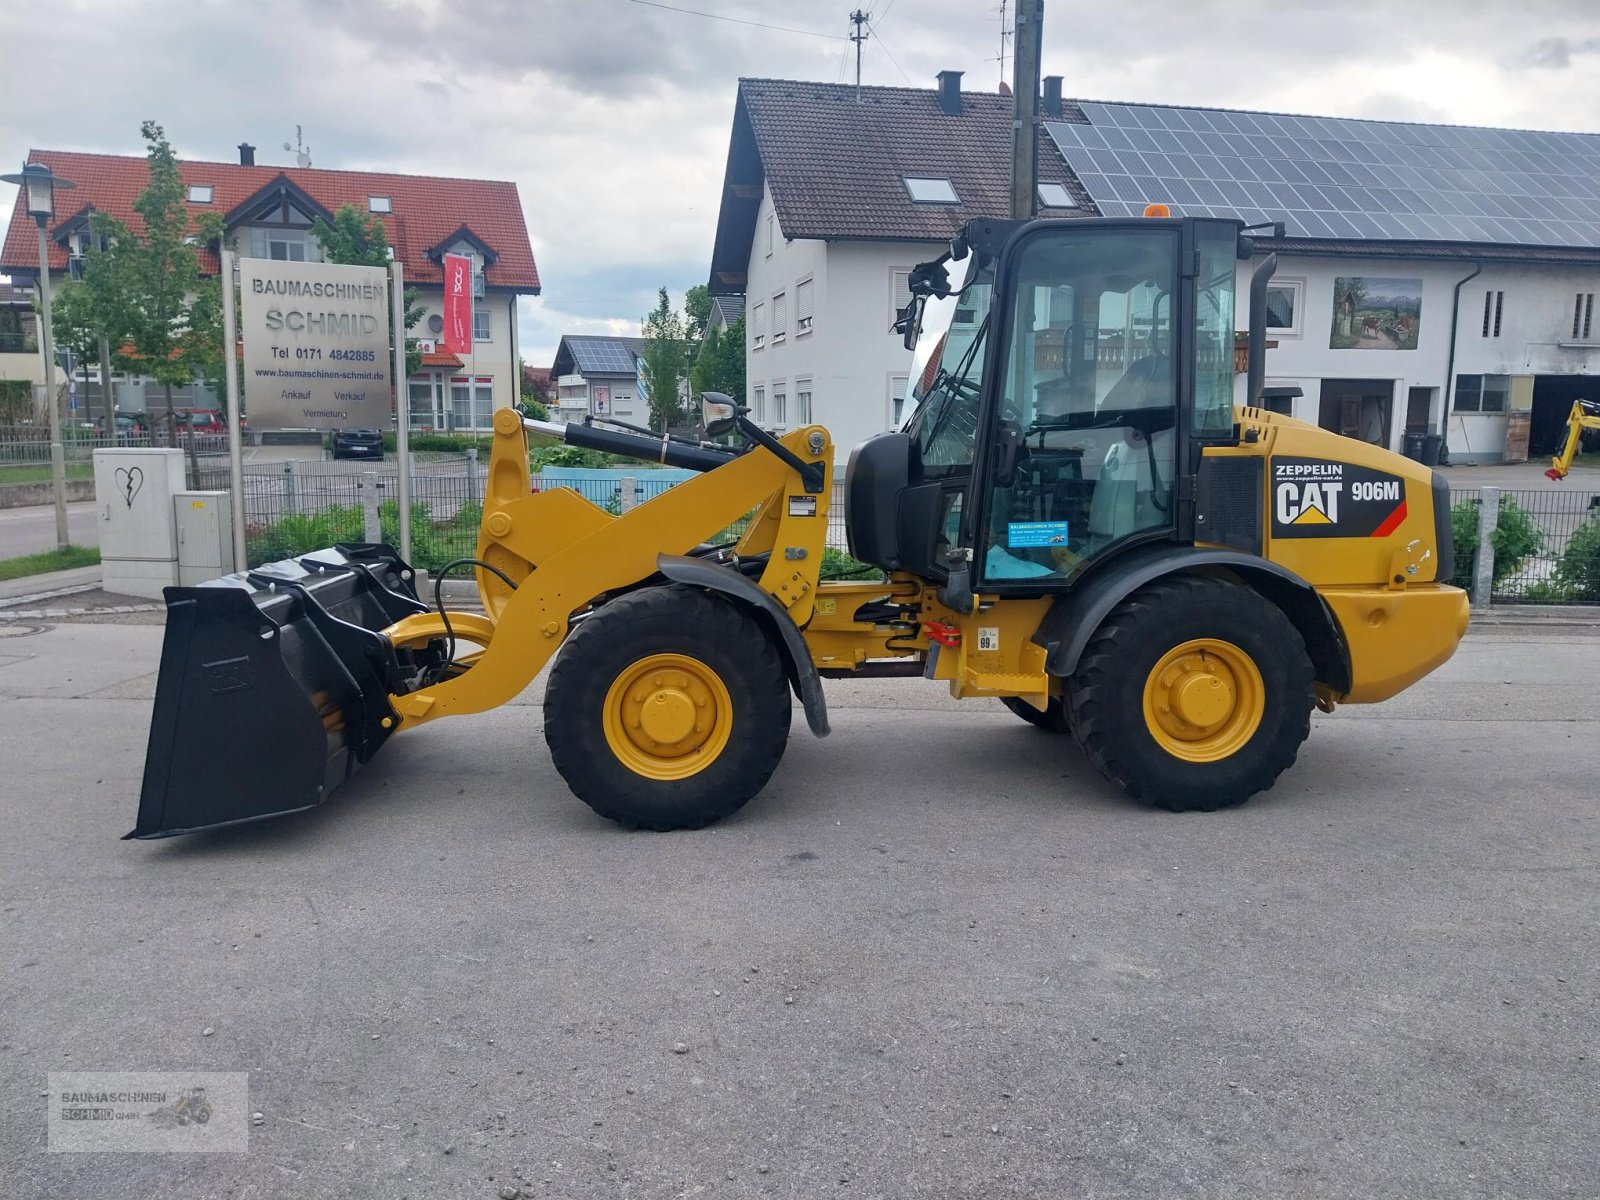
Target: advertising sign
{"type": "Point", "coordinates": [458, 304]}
{"type": "Point", "coordinates": [316, 345]}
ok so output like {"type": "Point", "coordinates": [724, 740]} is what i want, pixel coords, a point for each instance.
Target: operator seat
{"type": "Point", "coordinates": [1134, 484]}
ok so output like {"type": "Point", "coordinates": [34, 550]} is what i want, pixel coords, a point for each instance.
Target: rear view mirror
{"type": "Point", "coordinates": [908, 322]}
{"type": "Point", "coordinates": [718, 413]}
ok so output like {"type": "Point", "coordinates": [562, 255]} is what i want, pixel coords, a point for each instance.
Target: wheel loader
{"type": "Point", "coordinates": [1076, 520]}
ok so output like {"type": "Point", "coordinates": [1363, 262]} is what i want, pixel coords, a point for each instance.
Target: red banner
{"type": "Point", "coordinates": [458, 304]}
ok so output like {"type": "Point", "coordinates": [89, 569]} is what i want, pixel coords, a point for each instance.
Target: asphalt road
{"type": "Point", "coordinates": [937, 957]}
{"type": "Point", "coordinates": [30, 530]}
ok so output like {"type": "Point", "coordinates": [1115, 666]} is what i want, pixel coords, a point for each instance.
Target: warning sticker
{"type": "Point", "coordinates": [1312, 497]}
{"type": "Point", "coordinates": [802, 506]}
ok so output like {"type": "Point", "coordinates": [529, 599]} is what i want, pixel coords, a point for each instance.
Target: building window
{"type": "Point", "coordinates": [802, 401]}
{"type": "Point", "coordinates": [380, 204]}
{"type": "Point", "coordinates": [200, 193]}
{"type": "Point", "coordinates": [758, 337]}
{"type": "Point", "coordinates": [758, 409]}
{"type": "Point", "coordinates": [1055, 195]}
{"type": "Point", "coordinates": [899, 295]}
{"type": "Point", "coordinates": [804, 307]}
{"type": "Point", "coordinates": [1583, 317]}
{"type": "Point", "coordinates": [482, 325]}
{"type": "Point", "coordinates": [1482, 393]}
{"type": "Point", "coordinates": [1284, 305]}
{"type": "Point", "coordinates": [897, 400]}
{"type": "Point", "coordinates": [769, 235]}
{"type": "Point", "coordinates": [471, 402]}
{"type": "Point", "coordinates": [780, 406]}
{"type": "Point", "coordinates": [1493, 305]}
{"type": "Point", "coordinates": [421, 392]}
{"type": "Point", "coordinates": [780, 318]}
{"type": "Point", "coordinates": [929, 190]}
{"type": "Point", "coordinates": [284, 245]}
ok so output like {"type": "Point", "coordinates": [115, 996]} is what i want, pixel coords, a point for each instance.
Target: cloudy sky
{"type": "Point", "coordinates": [612, 116]}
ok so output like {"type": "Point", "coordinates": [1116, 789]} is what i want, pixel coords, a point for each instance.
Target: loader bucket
{"type": "Point", "coordinates": [274, 687]}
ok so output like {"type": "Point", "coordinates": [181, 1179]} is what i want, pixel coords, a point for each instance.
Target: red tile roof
{"type": "Point", "coordinates": [427, 209]}
{"type": "Point", "coordinates": [441, 358]}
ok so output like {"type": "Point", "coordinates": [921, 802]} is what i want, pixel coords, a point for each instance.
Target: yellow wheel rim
{"type": "Point", "coordinates": [1204, 700]}
{"type": "Point", "coordinates": [668, 716]}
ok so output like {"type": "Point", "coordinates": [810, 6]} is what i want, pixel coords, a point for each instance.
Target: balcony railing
{"type": "Point", "coordinates": [18, 343]}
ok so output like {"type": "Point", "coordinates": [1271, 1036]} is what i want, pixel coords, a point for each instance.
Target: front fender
{"type": "Point", "coordinates": [1070, 624]}
{"type": "Point", "coordinates": [802, 672]}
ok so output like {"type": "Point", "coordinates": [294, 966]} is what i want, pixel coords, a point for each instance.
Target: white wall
{"type": "Point", "coordinates": [851, 355]}
{"type": "Point", "coordinates": [1535, 317]}
{"type": "Point", "coordinates": [495, 358]}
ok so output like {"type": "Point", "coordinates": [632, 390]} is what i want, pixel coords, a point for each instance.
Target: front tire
{"type": "Point", "coordinates": [1052, 720]}
{"type": "Point", "coordinates": [668, 708]}
{"type": "Point", "coordinates": [1194, 694]}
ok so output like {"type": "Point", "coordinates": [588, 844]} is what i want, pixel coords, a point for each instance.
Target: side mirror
{"type": "Point", "coordinates": [719, 413]}
{"type": "Point", "coordinates": [908, 322]}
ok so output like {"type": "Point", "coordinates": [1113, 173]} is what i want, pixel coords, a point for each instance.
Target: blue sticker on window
{"type": "Point", "coordinates": [1031, 535]}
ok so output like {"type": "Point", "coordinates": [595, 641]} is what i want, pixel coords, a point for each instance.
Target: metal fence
{"type": "Point", "coordinates": [1544, 544]}
{"type": "Point", "coordinates": [294, 507]}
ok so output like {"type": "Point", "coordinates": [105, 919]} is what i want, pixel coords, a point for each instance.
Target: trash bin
{"type": "Point", "coordinates": [1412, 447]}
{"type": "Point", "coordinates": [1432, 447]}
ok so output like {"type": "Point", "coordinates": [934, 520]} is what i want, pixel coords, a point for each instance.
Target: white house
{"type": "Point", "coordinates": [1431, 280]}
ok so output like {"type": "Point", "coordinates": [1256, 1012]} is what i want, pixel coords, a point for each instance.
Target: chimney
{"type": "Point", "coordinates": [247, 154]}
{"type": "Point", "coordinates": [950, 92]}
{"type": "Point", "coordinates": [1052, 96]}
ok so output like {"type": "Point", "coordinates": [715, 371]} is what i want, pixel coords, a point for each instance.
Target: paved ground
{"type": "Point", "coordinates": [938, 957]}
{"type": "Point", "coordinates": [30, 530]}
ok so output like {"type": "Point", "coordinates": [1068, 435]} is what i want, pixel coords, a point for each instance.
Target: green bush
{"type": "Point", "coordinates": [301, 533]}
{"type": "Point", "coordinates": [433, 543]}
{"type": "Point", "coordinates": [1516, 538]}
{"type": "Point", "coordinates": [445, 442]}
{"type": "Point", "coordinates": [1577, 574]}
{"type": "Point", "coordinates": [836, 564]}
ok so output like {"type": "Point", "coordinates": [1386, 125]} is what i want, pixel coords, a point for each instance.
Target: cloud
{"type": "Point", "coordinates": [613, 117]}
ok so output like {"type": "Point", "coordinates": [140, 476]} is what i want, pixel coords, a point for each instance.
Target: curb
{"type": "Point", "coordinates": [51, 594]}
{"type": "Point", "coordinates": [55, 614]}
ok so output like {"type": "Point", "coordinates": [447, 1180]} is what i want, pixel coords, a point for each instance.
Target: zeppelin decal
{"type": "Point", "coordinates": [1316, 498]}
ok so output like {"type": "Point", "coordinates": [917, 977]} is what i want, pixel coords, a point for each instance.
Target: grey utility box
{"type": "Point", "coordinates": [204, 522]}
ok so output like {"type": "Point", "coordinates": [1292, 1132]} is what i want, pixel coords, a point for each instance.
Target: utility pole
{"type": "Point", "coordinates": [1025, 109]}
{"type": "Point", "coordinates": [858, 34]}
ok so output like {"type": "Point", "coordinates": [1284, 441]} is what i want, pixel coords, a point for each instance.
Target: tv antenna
{"type": "Point", "coordinates": [1005, 37]}
{"type": "Point", "coordinates": [302, 152]}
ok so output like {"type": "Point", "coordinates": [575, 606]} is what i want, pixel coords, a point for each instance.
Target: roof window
{"type": "Point", "coordinates": [925, 190]}
{"type": "Point", "coordinates": [379, 204]}
{"type": "Point", "coordinates": [1055, 195]}
{"type": "Point", "coordinates": [200, 193]}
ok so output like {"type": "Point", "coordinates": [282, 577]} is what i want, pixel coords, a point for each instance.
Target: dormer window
{"type": "Point", "coordinates": [380, 204]}
{"type": "Point", "coordinates": [200, 193]}
{"type": "Point", "coordinates": [930, 190]}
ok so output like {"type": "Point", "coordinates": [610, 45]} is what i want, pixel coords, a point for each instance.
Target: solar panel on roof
{"type": "Point", "coordinates": [1326, 176]}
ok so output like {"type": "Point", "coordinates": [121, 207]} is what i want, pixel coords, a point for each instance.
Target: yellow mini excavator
{"type": "Point", "coordinates": [1584, 417]}
{"type": "Point", "coordinates": [1076, 519]}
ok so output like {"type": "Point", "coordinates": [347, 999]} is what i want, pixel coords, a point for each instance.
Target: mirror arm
{"type": "Point", "coordinates": [811, 475]}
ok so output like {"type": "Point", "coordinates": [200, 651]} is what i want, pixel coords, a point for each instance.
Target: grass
{"type": "Point", "coordinates": [40, 472]}
{"type": "Point", "coordinates": [63, 559]}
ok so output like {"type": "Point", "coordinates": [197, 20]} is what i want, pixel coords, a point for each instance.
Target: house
{"type": "Point", "coordinates": [268, 211]}
{"type": "Point", "coordinates": [827, 203]}
{"type": "Point", "coordinates": [1431, 280]}
{"type": "Point", "coordinates": [725, 310]}
{"type": "Point", "coordinates": [20, 360]}
{"type": "Point", "coordinates": [598, 376]}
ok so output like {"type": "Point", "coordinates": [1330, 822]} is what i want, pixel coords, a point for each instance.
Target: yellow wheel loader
{"type": "Point", "coordinates": [1076, 520]}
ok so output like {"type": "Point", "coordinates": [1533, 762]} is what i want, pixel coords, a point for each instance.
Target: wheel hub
{"type": "Point", "coordinates": [1204, 700]}
{"type": "Point", "coordinates": [667, 716]}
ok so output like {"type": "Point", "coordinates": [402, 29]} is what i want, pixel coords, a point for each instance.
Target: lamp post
{"type": "Point", "coordinates": [38, 185]}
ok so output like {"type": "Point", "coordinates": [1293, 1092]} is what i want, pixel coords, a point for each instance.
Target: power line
{"type": "Point", "coordinates": [695, 12]}
{"type": "Point", "coordinates": [885, 47]}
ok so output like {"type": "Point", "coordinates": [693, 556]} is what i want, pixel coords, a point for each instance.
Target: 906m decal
{"type": "Point", "coordinates": [1312, 497]}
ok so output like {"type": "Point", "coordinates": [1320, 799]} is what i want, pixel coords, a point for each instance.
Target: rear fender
{"type": "Point", "coordinates": [1070, 624]}
{"type": "Point", "coordinates": [780, 626]}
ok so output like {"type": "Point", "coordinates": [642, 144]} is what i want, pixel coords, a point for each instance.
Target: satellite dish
{"type": "Point", "coordinates": [436, 323]}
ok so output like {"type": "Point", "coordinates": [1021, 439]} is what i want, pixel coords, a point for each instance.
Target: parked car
{"type": "Point", "coordinates": [357, 443]}
{"type": "Point", "coordinates": [202, 421]}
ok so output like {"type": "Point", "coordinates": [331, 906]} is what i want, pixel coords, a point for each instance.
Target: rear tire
{"type": "Point", "coordinates": [668, 708]}
{"type": "Point", "coordinates": [1052, 720]}
{"type": "Point", "coordinates": [1194, 694]}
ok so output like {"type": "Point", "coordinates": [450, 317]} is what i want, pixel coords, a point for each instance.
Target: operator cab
{"type": "Point", "coordinates": [1065, 375]}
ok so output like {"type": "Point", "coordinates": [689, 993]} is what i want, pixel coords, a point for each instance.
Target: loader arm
{"type": "Point", "coordinates": [564, 552]}
{"type": "Point", "coordinates": [1585, 414]}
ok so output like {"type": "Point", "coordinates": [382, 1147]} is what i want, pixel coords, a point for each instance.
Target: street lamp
{"type": "Point", "coordinates": [38, 185]}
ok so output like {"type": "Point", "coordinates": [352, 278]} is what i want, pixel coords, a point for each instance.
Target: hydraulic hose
{"type": "Point", "coordinates": [633, 445]}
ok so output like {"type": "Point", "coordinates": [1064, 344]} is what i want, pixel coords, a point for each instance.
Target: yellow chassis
{"type": "Point", "coordinates": [563, 553]}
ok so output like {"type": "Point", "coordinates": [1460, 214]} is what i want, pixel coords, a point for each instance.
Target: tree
{"type": "Point", "coordinates": [719, 367]}
{"type": "Point", "coordinates": [662, 364]}
{"type": "Point", "coordinates": [696, 312]}
{"type": "Point", "coordinates": [356, 239]}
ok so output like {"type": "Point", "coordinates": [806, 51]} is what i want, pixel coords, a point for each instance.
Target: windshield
{"type": "Point", "coordinates": [948, 366]}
